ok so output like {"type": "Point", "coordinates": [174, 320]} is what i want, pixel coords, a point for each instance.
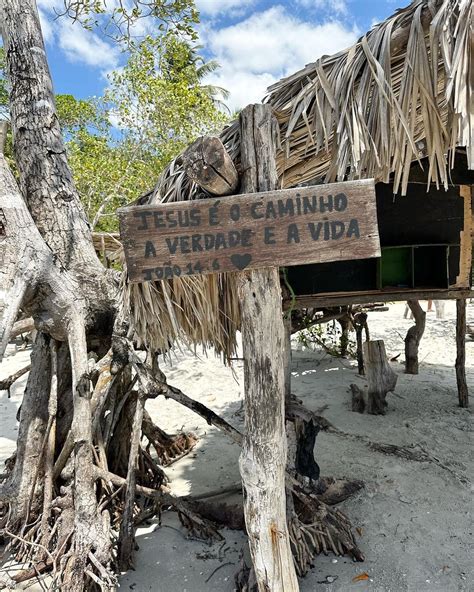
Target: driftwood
{"type": "Point", "coordinates": [358, 401]}
{"type": "Point", "coordinates": [413, 337]}
{"type": "Point", "coordinates": [463, 392]}
{"type": "Point", "coordinates": [22, 326]}
{"type": "Point", "coordinates": [209, 165]}
{"type": "Point", "coordinates": [6, 383]}
{"type": "Point", "coordinates": [380, 376]}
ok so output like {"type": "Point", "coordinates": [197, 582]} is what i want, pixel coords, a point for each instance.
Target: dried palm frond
{"type": "Point", "coordinates": [194, 310]}
{"type": "Point", "coordinates": [402, 92]}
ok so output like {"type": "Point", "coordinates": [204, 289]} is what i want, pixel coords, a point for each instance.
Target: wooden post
{"type": "Point", "coordinates": [263, 457]}
{"type": "Point", "coordinates": [463, 393]}
{"type": "Point", "coordinates": [287, 354]}
{"type": "Point", "coordinates": [413, 338]}
{"type": "Point", "coordinates": [360, 321]}
{"type": "Point", "coordinates": [439, 307]}
{"type": "Point", "coordinates": [380, 376]}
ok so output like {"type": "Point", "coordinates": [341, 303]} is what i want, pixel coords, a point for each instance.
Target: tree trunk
{"type": "Point", "coordinates": [45, 177]}
{"type": "Point", "coordinates": [263, 457]}
{"type": "Point", "coordinates": [380, 376]}
{"type": "Point", "coordinates": [345, 324]}
{"type": "Point", "coordinates": [413, 338]}
{"type": "Point", "coordinates": [463, 392]}
{"type": "Point", "coordinates": [51, 270]}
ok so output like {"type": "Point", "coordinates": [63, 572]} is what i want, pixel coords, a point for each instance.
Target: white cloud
{"type": "Point", "coordinates": [83, 46]}
{"type": "Point", "coordinates": [215, 7]}
{"type": "Point", "coordinates": [77, 44]}
{"type": "Point", "coordinates": [268, 45]}
{"type": "Point", "coordinates": [46, 26]}
{"type": "Point", "coordinates": [332, 6]}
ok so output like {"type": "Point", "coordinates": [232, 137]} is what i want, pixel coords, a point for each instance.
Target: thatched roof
{"type": "Point", "coordinates": [404, 91]}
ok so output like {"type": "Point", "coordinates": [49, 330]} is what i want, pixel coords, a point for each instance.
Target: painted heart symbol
{"type": "Point", "coordinates": [241, 261]}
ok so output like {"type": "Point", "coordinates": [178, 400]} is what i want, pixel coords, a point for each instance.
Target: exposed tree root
{"type": "Point", "coordinates": [6, 383]}
{"type": "Point", "coordinates": [316, 528]}
{"type": "Point", "coordinates": [168, 447]}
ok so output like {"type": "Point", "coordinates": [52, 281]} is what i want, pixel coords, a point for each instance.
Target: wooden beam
{"type": "Point", "coordinates": [328, 300]}
{"type": "Point", "coordinates": [208, 164]}
{"type": "Point", "coordinates": [463, 392]}
{"type": "Point", "coordinates": [264, 451]}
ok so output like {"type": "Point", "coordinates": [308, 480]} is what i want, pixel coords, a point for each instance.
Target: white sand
{"type": "Point", "coordinates": [416, 518]}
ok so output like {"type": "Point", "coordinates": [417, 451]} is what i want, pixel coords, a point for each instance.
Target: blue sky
{"type": "Point", "coordinates": [255, 41]}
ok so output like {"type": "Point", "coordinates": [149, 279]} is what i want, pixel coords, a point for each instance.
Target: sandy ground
{"type": "Point", "coordinates": [415, 518]}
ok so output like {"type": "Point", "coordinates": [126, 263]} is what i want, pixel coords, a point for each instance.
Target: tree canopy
{"type": "Point", "coordinates": [153, 106]}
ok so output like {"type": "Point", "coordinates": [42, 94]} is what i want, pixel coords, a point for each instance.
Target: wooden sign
{"type": "Point", "coordinates": [276, 228]}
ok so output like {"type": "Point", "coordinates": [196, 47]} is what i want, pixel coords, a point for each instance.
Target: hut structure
{"type": "Point", "coordinates": [398, 107]}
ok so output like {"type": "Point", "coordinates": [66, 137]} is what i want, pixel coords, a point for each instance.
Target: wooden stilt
{"type": "Point", "coordinates": [263, 457]}
{"type": "Point", "coordinates": [359, 322]}
{"type": "Point", "coordinates": [413, 338]}
{"type": "Point", "coordinates": [463, 393]}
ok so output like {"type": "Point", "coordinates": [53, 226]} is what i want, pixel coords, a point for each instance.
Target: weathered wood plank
{"type": "Point", "coordinates": [263, 457]}
{"type": "Point", "coordinates": [286, 227]}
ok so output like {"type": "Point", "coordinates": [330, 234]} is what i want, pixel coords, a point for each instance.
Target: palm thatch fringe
{"type": "Point", "coordinates": [193, 311]}
{"type": "Point", "coordinates": [403, 92]}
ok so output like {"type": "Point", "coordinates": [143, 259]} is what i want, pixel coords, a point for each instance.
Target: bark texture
{"type": "Point", "coordinates": [413, 338]}
{"type": "Point", "coordinates": [380, 376]}
{"type": "Point", "coordinates": [263, 457]}
{"type": "Point", "coordinates": [45, 177]}
{"type": "Point", "coordinates": [209, 165]}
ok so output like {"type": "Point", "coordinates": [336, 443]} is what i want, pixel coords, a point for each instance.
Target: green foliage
{"type": "Point", "coordinates": [109, 175]}
{"type": "Point", "coordinates": [123, 20]}
{"type": "Point", "coordinates": [3, 82]}
{"type": "Point", "coordinates": [328, 336]}
{"type": "Point", "coordinates": [159, 97]}
{"type": "Point", "coordinates": [157, 102]}
{"type": "Point", "coordinates": [81, 114]}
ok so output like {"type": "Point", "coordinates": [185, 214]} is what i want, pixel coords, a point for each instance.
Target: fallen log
{"type": "Point", "coordinates": [209, 165]}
